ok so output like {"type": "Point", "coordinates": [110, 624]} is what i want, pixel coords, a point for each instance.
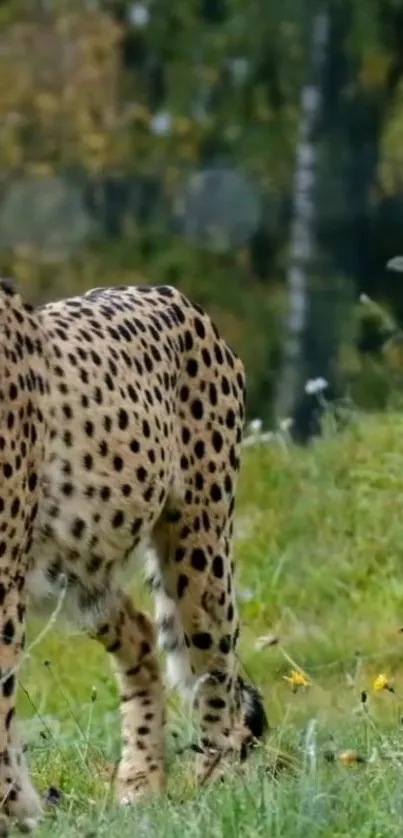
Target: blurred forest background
{"type": "Point", "coordinates": [250, 153]}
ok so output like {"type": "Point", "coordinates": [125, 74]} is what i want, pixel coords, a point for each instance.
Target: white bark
{"type": "Point", "coordinates": [302, 234]}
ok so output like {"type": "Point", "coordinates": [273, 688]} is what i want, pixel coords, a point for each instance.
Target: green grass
{"type": "Point", "coordinates": [320, 565]}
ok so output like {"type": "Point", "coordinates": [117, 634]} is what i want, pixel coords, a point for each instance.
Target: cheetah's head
{"type": "Point", "coordinates": [254, 723]}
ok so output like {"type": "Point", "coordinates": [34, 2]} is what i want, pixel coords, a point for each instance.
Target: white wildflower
{"type": "Point", "coordinates": [364, 299]}
{"type": "Point", "coordinates": [315, 385]}
{"type": "Point", "coordinates": [161, 123]}
{"type": "Point", "coordinates": [255, 426]}
{"type": "Point", "coordinates": [139, 15]}
{"type": "Point", "coordinates": [286, 424]}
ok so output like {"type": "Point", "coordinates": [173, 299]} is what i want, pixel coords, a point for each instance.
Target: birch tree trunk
{"type": "Point", "coordinates": [302, 234]}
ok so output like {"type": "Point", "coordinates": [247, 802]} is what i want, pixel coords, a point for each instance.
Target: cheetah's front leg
{"type": "Point", "coordinates": [18, 798]}
{"type": "Point", "coordinates": [129, 636]}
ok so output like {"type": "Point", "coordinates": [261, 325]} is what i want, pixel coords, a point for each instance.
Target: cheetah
{"type": "Point", "coordinates": [122, 416]}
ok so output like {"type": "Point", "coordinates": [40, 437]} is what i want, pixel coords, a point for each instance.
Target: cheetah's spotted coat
{"type": "Point", "coordinates": [121, 423]}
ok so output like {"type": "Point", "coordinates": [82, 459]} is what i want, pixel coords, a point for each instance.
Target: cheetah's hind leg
{"type": "Point", "coordinates": [128, 635]}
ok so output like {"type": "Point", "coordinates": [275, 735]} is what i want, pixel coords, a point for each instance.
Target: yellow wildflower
{"type": "Point", "coordinates": [297, 679]}
{"type": "Point", "coordinates": [382, 682]}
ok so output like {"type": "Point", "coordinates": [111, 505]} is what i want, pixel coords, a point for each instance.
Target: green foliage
{"type": "Point", "coordinates": [69, 108]}
{"type": "Point", "coordinates": [86, 97]}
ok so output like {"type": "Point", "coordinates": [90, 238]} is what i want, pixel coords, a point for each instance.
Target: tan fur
{"type": "Point", "coordinates": [126, 420]}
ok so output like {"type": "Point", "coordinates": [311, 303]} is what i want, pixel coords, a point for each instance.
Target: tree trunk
{"type": "Point", "coordinates": [302, 235]}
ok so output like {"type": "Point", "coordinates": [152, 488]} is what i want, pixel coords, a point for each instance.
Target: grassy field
{"type": "Point", "coordinates": [320, 570]}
